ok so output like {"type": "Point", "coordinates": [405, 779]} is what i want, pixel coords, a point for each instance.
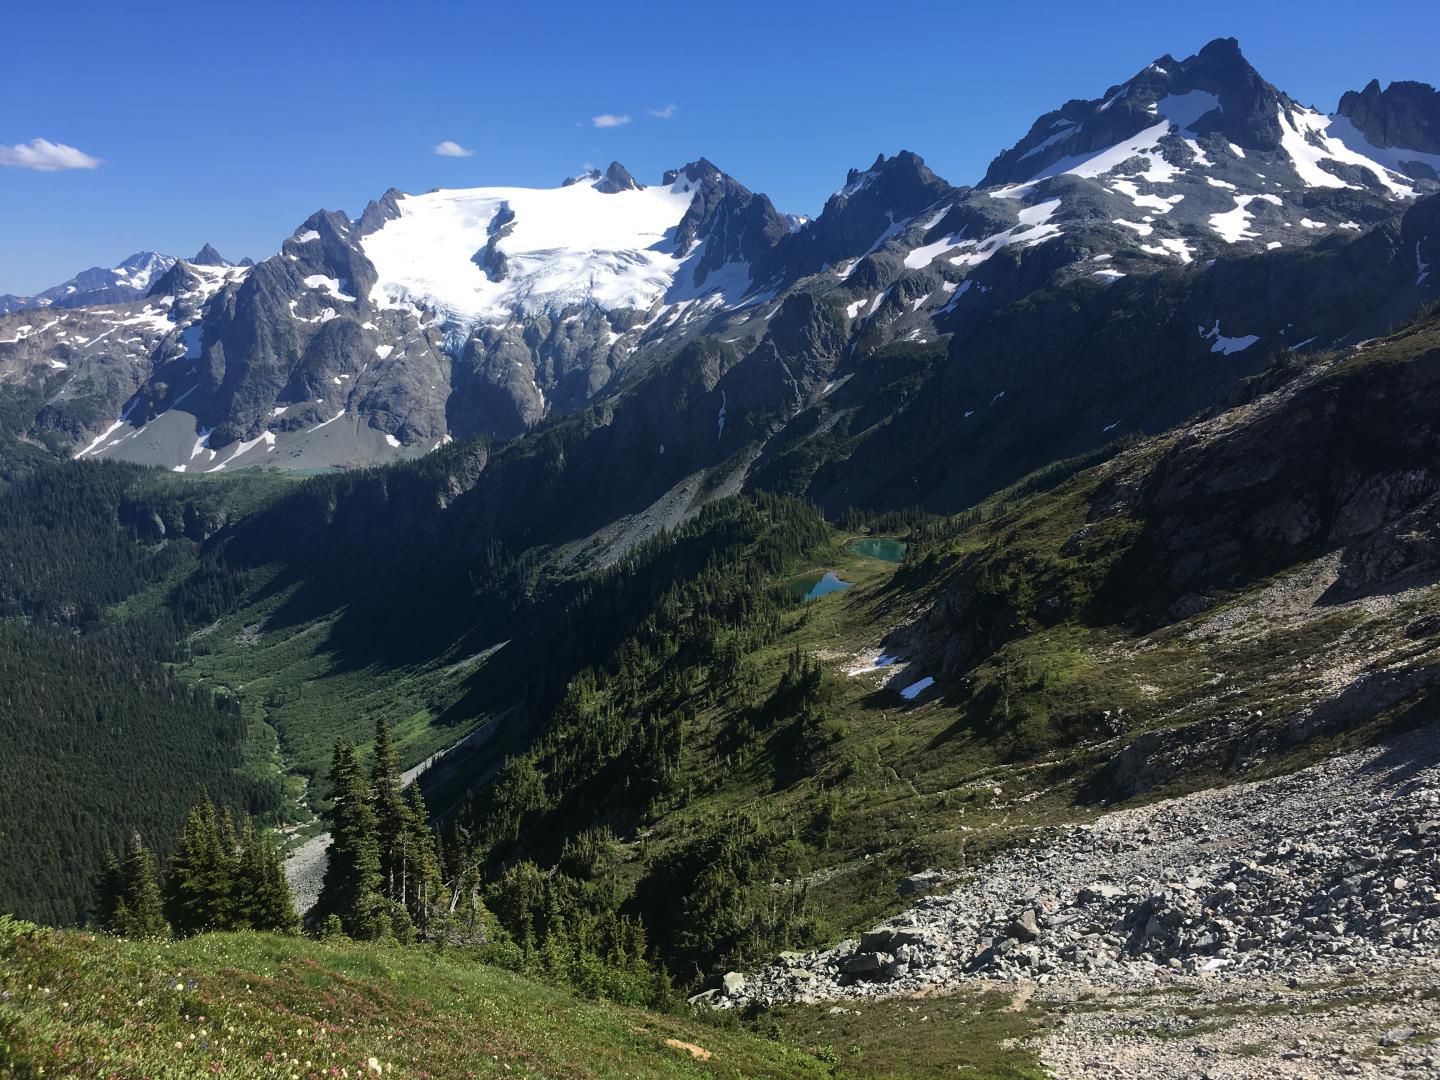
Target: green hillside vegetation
{"type": "Point", "coordinates": [98, 738]}
{"type": "Point", "coordinates": [258, 1005]}
{"type": "Point", "coordinates": [95, 745]}
{"type": "Point", "coordinates": [721, 753]}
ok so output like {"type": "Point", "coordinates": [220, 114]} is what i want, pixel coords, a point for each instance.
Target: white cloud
{"type": "Point", "coordinates": [666, 113]}
{"type": "Point", "coordinates": [607, 120]}
{"type": "Point", "coordinates": [42, 155]}
{"type": "Point", "coordinates": [452, 149]}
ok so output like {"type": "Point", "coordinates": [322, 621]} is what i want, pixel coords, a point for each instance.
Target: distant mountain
{"type": "Point", "coordinates": [1166, 207]}
{"type": "Point", "coordinates": [98, 285]}
{"type": "Point", "coordinates": [131, 280]}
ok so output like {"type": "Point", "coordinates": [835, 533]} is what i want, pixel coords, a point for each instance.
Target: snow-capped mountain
{"type": "Point", "coordinates": [1203, 152]}
{"type": "Point", "coordinates": [131, 280]}
{"type": "Point", "coordinates": [97, 285]}
{"type": "Point", "coordinates": [483, 310]}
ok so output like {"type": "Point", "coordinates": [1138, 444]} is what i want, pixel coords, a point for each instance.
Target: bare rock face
{"type": "Point", "coordinates": [617, 178]}
{"type": "Point", "coordinates": [1400, 551]}
{"type": "Point", "coordinates": [1404, 114]}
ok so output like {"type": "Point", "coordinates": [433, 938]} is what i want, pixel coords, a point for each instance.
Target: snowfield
{"type": "Point", "coordinates": [565, 246]}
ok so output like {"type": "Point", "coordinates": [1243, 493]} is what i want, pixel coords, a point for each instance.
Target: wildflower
{"type": "Point", "coordinates": [373, 1065]}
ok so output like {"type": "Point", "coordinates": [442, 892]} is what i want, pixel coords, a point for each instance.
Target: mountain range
{"type": "Point", "coordinates": [130, 280]}
{"type": "Point", "coordinates": [1193, 210]}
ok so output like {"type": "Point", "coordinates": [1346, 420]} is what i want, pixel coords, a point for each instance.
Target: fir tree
{"type": "Point", "coordinates": [424, 875]}
{"type": "Point", "coordinates": [140, 911]}
{"type": "Point", "coordinates": [391, 818]}
{"type": "Point", "coordinates": [351, 888]}
{"type": "Point", "coordinates": [198, 885]}
{"type": "Point", "coordinates": [108, 892]}
{"type": "Point", "coordinates": [225, 829]}
{"type": "Point", "coordinates": [261, 895]}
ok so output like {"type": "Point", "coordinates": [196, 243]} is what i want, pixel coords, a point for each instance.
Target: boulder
{"type": "Point", "coordinates": [1024, 928]}
{"type": "Point", "coordinates": [864, 965]}
{"type": "Point", "coordinates": [925, 879]}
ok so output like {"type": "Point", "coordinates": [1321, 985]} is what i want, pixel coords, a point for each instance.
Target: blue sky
{"type": "Point", "coordinates": [231, 123]}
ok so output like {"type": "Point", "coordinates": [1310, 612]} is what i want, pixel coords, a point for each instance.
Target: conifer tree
{"type": "Point", "coordinates": [351, 887]}
{"type": "Point", "coordinates": [198, 885]}
{"type": "Point", "coordinates": [140, 911]}
{"type": "Point", "coordinates": [108, 892]}
{"type": "Point", "coordinates": [391, 818]}
{"type": "Point", "coordinates": [424, 873]}
{"type": "Point", "coordinates": [261, 895]}
{"type": "Point", "coordinates": [225, 829]}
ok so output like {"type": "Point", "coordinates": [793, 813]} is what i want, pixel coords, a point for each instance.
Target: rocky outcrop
{"type": "Point", "coordinates": [1404, 114]}
{"type": "Point", "coordinates": [617, 178]}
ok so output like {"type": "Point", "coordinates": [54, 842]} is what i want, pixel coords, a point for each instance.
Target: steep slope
{"type": "Point", "coordinates": [1229, 601]}
{"type": "Point", "coordinates": [98, 737]}
{"type": "Point", "coordinates": [1035, 371]}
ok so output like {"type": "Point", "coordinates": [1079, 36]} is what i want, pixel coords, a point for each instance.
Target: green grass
{"type": "Point", "coordinates": [253, 1005]}
{"type": "Point", "coordinates": [973, 1035]}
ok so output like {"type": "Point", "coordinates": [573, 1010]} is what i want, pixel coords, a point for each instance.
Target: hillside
{"type": "Point", "coordinates": [1146, 626]}
{"type": "Point", "coordinates": [98, 736]}
{"type": "Point", "coordinates": [259, 1006]}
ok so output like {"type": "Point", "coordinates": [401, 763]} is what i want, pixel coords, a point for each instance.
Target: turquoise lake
{"type": "Point", "coordinates": [886, 548]}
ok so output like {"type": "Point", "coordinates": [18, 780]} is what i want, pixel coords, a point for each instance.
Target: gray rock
{"type": "Point", "coordinates": [864, 964]}
{"type": "Point", "coordinates": [1025, 927]}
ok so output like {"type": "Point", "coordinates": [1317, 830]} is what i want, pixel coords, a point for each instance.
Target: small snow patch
{"type": "Point", "coordinates": [1227, 345]}
{"type": "Point", "coordinates": [915, 689]}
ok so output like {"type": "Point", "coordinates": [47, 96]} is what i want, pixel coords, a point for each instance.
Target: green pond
{"type": "Point", "coordinates": [814, 586]}
{"type": "Point", "coordinates": [879, 547]}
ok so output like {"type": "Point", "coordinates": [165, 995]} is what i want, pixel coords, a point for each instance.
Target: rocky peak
{"type": "Point", "coordinates": [1216, 91]}
{"type": "Point", "coordinates": [737, 225]}
{"type": "Point", "coordinates": [327, 245]}
{"type": "Point", "coordinates": [580, 178]}
{"type": "Point", "coordinates": [208, 256]}
{"type": "Point", "coordinates": [1405, 115]}
{"type": "Point", "coordinates": [873, 204]}
{"type": "Point", "coordinates": [617, 178]}
{"type": "Point", "coordinates": [378, 211]}
{"type": "Point", "coordinates": [700, 171]}
{"type": "Point", "coordinates": [175, 281]}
